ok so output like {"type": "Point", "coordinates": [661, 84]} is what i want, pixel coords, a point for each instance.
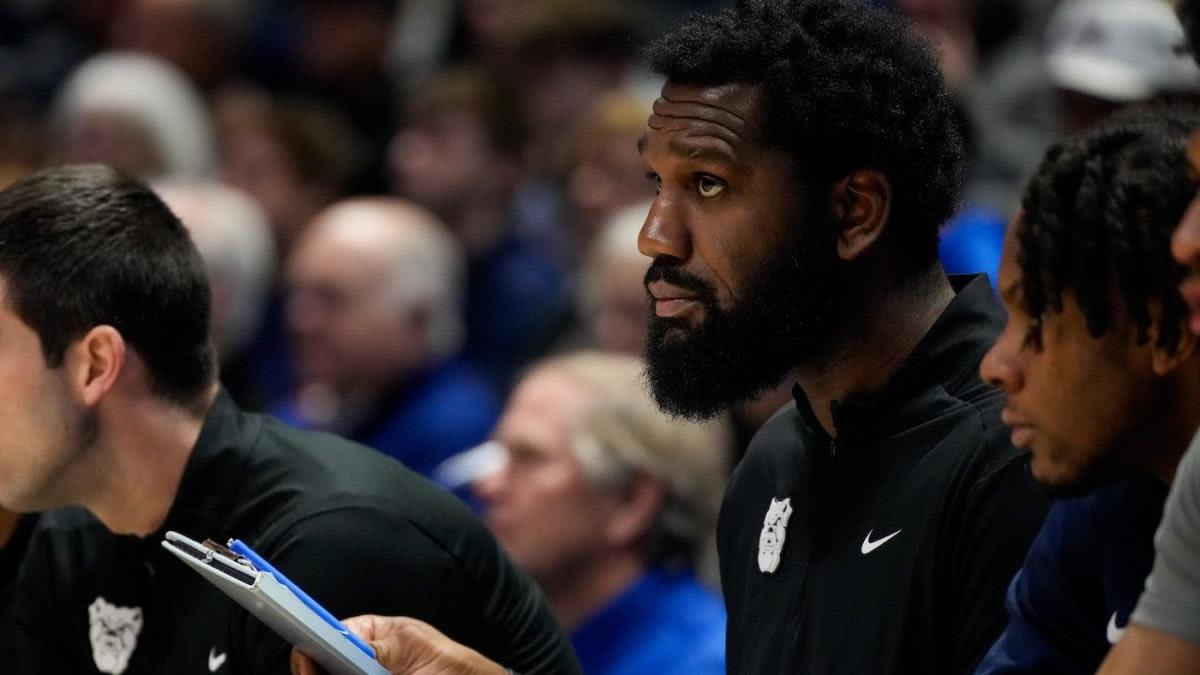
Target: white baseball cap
{"type": "Point", "coordinates": [1119, 50]}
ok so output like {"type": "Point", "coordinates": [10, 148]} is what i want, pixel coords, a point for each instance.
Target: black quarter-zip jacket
{"type": "Point", "coordinates": [906, 526]}
{"type": "Point", "coordinates": [358, 531]}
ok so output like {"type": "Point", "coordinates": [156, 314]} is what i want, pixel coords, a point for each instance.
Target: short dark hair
{"type": "Point", "coordinates": [1097, 221]}
{"type": "Point", "coordinates": [846, 87]}
{"type": "Point", "coordinates": [83, 246]}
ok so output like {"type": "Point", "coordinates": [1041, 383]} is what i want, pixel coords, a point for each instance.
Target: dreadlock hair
{"type": "Point", "coordinates": [1098, 218]}
{"type": "Point", "coordinates": [847, 87]}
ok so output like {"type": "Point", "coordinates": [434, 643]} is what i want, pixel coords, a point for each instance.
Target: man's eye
{"type": "Point", "coordinates": [656, 179]}
{"type": "Point", "coordinates": [709, 187]}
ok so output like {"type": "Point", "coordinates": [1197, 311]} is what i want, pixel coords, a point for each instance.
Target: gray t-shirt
{"type": "Point", "coordinates": [1171, 601]}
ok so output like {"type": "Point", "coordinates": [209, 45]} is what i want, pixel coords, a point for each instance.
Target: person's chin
{"type": "Point", "coordinates": [1065, 480]}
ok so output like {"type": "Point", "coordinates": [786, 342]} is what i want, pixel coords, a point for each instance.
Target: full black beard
{"type": "Point", "coordinates": [783, 321]}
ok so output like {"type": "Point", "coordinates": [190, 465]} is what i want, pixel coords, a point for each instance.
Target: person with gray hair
{"type": "Point", "coordinates": [136, 113]}
{"type": "Point", "coordinates": [610, 505]}
{"type": "Point", "coordinates": [612, 298]}
{"type": "Point", "coordinates": [233, 237]}
{"type": "Point", "coordinates": [374, 315]}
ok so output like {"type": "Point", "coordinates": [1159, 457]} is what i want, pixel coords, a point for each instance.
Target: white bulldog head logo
{"type": "Point", "coordinates": [114, 632]}
{"type": "Point", "coordinates": [774, 533]}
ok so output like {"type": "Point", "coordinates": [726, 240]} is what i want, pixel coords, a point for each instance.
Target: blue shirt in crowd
{"type": "Point", "coordinates": [432, 416]}
{"type": "Point", "coordinates": [511, 294]}
{"type": "Point", "coordinates": [1071, 600]}
{"type": "Point", "coordinates": [665, 624]}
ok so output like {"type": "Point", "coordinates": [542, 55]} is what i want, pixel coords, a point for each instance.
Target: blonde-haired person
{"type": "Point", "coordinates": [608, 504]}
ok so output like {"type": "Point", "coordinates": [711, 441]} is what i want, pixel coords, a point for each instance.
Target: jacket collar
{"type": "Point", "coordinates": [947, 356]}
{"type": "Point", "coordinates": [214, 473]}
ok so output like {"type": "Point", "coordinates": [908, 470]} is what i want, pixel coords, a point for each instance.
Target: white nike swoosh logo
{"type": "Point", "coordinates": [1112, 632]}
{"type": "Point", "coordinates": [869, 545]}
{"type": "Point", "coordinates": [215, 660]}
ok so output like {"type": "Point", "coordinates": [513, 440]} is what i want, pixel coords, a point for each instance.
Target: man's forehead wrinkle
{"type": "Point", "coordinates": [698, 139]}
{"type": "Point", "coordinates": [708, 149]}
{"type": "Point", "coordinates": [734, 122]}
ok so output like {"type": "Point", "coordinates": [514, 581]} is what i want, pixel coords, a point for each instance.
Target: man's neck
{"type": "Point", "coordinates": [137, 469]}
{"type": "Point", "coordinates": [875, 341]}
{"type": "Point", "coordinates": [577, 595]}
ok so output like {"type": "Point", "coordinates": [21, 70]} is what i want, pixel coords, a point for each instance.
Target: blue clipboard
{"type": "Point", "coordinates": [266, 593]}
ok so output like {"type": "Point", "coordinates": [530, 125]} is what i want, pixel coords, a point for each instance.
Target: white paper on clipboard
{"type": "Point", "coordinates": [276, 606]}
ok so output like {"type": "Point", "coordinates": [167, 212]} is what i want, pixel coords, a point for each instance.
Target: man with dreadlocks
{"type": "Point", "coordinates": [1102, 379]}
{"type": "Point", "coordinates": [1164, 635]}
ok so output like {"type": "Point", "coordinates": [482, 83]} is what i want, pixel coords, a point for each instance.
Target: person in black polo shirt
{"type": "Point", "coordinates": [805, 153]}
{"type": "Point", "coordinates": [110, 403]}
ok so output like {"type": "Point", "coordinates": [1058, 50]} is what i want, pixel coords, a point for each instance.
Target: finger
{"type": "Point", "coordinates": [364, 626]}
{"type": "Point", "coordinates": [388, 653]}
{"type": "Point", "coordinates": [302, 665]}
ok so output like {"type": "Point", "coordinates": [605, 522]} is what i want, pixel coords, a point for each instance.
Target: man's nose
{"type": "Point", "coordinates": [664, 234]}
{"type": "Point", "coordinates": [999, 366]}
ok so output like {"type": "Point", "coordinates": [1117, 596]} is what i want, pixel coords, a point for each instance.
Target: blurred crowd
{"type": "Point", "coordinates": [403, 204]}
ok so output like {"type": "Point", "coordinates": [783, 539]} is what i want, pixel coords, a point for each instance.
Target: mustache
{"type": "Point", "coordinates": [660, 271]}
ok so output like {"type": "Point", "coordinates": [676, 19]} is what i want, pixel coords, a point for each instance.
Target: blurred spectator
{"type": "Point", "coordinates": [22, 140]}
{"type": "Point", "coordinates": [1074, 62]}
{"type": "Point", "coordinates": [604, 171]}
{"type": "Point", "coordinates": [613, 305]}
{"type": "Point", "coordinates": [1099, 56]}
{"type": "Point", "coordinates": [1103, 55]}
{"type": "Point", "coordinates": [42, 40]}
{"type": "Point", "coordinates": [458, 154]}
{"type": "Point", "coordinates": [948, 26]}
{"type": "Point", "coordinates": [136, 113]}
{"type": "Point", "coordinates": [234, 239]}
{"type": "Point", "coordinates": [339, 55]}
{"type": "Point", "coordinates": [374, 313]}
{"type": "Point", "coordinates": [294, 158]}
{"type": "Point", "coordinates": [965, 34]}
{"type": "Point", "coordinates": [568, 55]}
{"type": "Point", "coordinates": [200, 37]}
{"type": "Point", "coordinates": [608, 504]}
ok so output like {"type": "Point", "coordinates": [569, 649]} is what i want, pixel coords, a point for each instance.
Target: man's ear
{"type": "Point", "coordinates": [860, 205]}
{"type": "Point", "coordinates": [1163, 361]}
{"type": "Point", "coordinates": [94, 362]}
{"type": "Point", "coordinates": [640, 503]}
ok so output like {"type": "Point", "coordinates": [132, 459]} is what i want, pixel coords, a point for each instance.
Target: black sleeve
{"type": "Point", "coordinates": [1003, 513]}
{"type": "Point", "coordinates": [361, 560]}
